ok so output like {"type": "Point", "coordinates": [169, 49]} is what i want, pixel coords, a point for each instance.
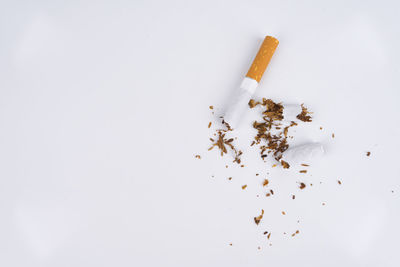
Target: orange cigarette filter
{"type": "Point", "coordinates": [263, 58]}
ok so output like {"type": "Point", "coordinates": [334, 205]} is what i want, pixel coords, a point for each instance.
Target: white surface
{"type": "Point", "coordinates": [238, 102]}
{"type": "Point", "coordinates": [97, 164]}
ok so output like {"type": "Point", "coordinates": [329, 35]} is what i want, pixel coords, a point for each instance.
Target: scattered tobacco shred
{"type": "Point", "coordinates": [272, 134]}
{"type": "Point", "coordinates": [197, 157]}
{"type": "Point", "coordinates": [295, 233]}
{"type": "Point", "coordinates": [223, 142]}
{"type": "Point", "coordinates": [230, 244]}
{"type": "Point", "coordinates": [323, 203]}
{"type": "Point", "coordinates": [273, 113]}
{"type": "Point", "coordinates": [303, 116]}
{"type": "Point", "coordinates": [285, 165]}
{"type": "Point", "coordinates": [333, 135]}
{"type": "Point", "coordinates": [339, 182]}
{"type": "Point", "coordinates": [252, 103]}
{"type": "Point", "coordinates": [271, 138]}
{"type": "Point", "coordinates": [368, 154]}
{"type": "Point", "coordinates": [259, 218]}
{"type": "Point", "coordinates": [285, 130]}
{"type": "Point", "coordinates": [302, 185]}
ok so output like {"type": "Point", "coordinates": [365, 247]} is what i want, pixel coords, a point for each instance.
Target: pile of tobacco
{"type": "Point", "coordinates": [272, 136]}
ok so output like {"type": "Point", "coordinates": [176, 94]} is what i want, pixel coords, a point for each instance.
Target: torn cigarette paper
{"type": "Point", "coordinates": [304, 153]}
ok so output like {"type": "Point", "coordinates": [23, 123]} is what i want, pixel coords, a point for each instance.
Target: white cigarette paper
{"type": "Point", "coordinates": [240, 102]}
{"type": "Point", "coordinates": [303, 153]}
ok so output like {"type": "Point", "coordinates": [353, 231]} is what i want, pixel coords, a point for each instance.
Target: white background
{"type": "Point", "coordinates": [103, 106]}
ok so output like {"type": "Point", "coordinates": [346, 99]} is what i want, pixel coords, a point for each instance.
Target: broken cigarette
{"type": "Point", "coordinates": [250, 82]}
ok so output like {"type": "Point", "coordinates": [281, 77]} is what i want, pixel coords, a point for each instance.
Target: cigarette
{"type": "Point", "coordinates": [249, 84]}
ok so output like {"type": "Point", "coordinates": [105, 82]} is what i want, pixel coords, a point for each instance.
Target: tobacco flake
{"type": "Point", "coordinates": [295, 233]}
{"type": "Point", "coordinates": [258, 218]}
{"type": "Point", "coordinates": [285, 165]}
{"type": "Point", "coordinates": [303, 116]}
